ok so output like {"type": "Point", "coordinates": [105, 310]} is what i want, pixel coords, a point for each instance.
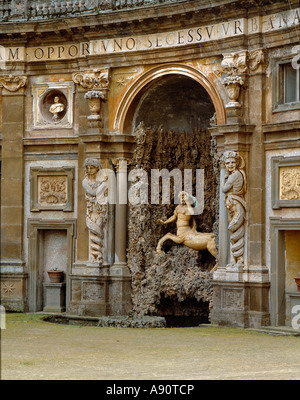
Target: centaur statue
{"type": "Point", "coordinates": [186, 229]}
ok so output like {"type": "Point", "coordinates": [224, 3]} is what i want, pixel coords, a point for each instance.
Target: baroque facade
{"type": "Point", "coordinates": [92, 89]}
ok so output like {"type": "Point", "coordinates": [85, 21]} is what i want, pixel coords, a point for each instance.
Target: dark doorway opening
{"type": "Point", "coordinates": [175, 102]}
{"type": "Point", "coordinates": [187, 313]}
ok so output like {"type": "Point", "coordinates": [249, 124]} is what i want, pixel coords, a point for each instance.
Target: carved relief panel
{"type": "Point", "coordinates": [232, 298]}
{"type": "Point", "coordinates": [289, 183]}
{"type": "Point", "coordinates": [285, 182]}
{"type": "Point", "coordinates": [51, 189]}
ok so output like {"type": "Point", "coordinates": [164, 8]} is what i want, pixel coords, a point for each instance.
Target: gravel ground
{"type": "Point", "coordinates": [32, 349]}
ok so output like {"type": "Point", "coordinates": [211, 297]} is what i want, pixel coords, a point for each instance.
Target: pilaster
{"type": "Point", "coordinates": [12, 174]}
{"type": "Point", "coordinates": [13, 276]}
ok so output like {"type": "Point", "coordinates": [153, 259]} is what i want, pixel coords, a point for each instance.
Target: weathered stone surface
{"type": "Point", "coordinates": [180, 275]}
{"type": "Point", "coordinates": [132, 322]}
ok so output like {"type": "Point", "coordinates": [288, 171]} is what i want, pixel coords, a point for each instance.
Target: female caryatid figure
{"type": "Point", "coordinates": [95, 186]}
{"type": "Point", "coordinates": [234, 187]}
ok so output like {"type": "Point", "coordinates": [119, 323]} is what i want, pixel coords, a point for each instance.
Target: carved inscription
{"type": "Point", "coordinates": [198, 34]}
{"type": "Point", "coordinates": [289, 188]}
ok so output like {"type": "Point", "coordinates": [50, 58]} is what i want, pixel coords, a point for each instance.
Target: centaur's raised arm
{"type": "Point", "coordinates": [171, 219]}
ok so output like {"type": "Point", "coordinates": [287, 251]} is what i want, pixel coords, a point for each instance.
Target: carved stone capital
{"type": "Point", "coordinates": [258, 60]}
{"type": "Point", "coordinates": [92, 79]}
{"type": "Point", "coordinates": [235, 66]}
{"type": "Point", "coordinates": [12, 83]}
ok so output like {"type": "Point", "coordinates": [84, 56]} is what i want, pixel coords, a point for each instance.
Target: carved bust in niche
{"type": "Point", "coordinates": [53, 106]}
{"type": "Point", "coordinates": [56, 108]}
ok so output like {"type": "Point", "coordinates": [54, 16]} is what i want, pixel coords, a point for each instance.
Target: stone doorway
{"type": "Point", "coordinates": [174, 113]}
{"type": "Point", "coordinates": [51, 246]}
{"type": "Point", "coordinates": [285, 266]}
{"type": "Point", "coordinates": [53, 250]}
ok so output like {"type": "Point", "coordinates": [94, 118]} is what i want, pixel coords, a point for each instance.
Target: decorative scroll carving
{"type": "Point", "coordinates": [289, 183]}
{"type": "Point", "coordinates": [97, 82]}
{"type": "Point", "coordinates": [234, 186]}
{"type": "Point", "coordinates": [12, 83]}
{"type": "Point", "coordinates": [235, 65]}
{"type": "Point", "coordinates": [257, 58]}
{"type": "Point", "coordinates": [93, 79]}
{"type": "Point", "coordinates": [95, 186]}
{"type": "Point", "coordinates": [213, 120]}
{"type": "Point", "coordinates": [52, 190]}
{"type": "Point", "coordinates": [186, 228]}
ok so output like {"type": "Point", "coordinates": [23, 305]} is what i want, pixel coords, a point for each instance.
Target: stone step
{"type": "Point", "coordinates": [277, 330]}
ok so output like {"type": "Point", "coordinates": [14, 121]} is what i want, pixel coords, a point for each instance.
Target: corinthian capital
{"type": "Point", "coordinates": [235, 63]}
{"type": "Point", "coordinates": [12, 83]}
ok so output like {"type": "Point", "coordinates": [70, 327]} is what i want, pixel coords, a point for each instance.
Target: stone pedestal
{"type": "Point", "coordinates": [242, 303]}
{"type": "Point", "coordinates": [293, 299]}
{"type": "Point", "coordinates": [89, 293]}
{"type": "Point", "coordinates": [119, 289]}
{"type": "Point", "coordinates": [55, 297]}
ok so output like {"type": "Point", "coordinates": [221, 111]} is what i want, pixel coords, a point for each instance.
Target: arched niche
{"type": "Point", "coordinates": [137, 93]}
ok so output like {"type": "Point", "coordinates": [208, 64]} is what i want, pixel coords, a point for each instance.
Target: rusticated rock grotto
{"type": "Point", "coordinates": [175, 284]}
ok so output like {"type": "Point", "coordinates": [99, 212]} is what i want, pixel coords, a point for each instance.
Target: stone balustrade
{"type": "Point", "coordinates": [11, 10]}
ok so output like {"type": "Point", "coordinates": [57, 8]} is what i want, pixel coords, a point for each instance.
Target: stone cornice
{"type": "Point", "coordinates": [80, 22]}
{"type": "Point", "coordinates": [283, 135]}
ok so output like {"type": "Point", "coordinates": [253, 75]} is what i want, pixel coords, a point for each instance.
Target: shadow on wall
{"type": "Point", "coordinates": [175, 102]}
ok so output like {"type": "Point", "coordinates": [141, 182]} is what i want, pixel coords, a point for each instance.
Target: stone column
{"type": "Point", "coordinates": [120, 288]}
{"type": "Point", "coordinates": [12, 190]}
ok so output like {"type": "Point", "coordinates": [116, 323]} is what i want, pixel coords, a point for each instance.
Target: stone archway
{"type": "Point", "coordinates": [176, 284]}
{"type": "Point", "coordinates": [124, 115]}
